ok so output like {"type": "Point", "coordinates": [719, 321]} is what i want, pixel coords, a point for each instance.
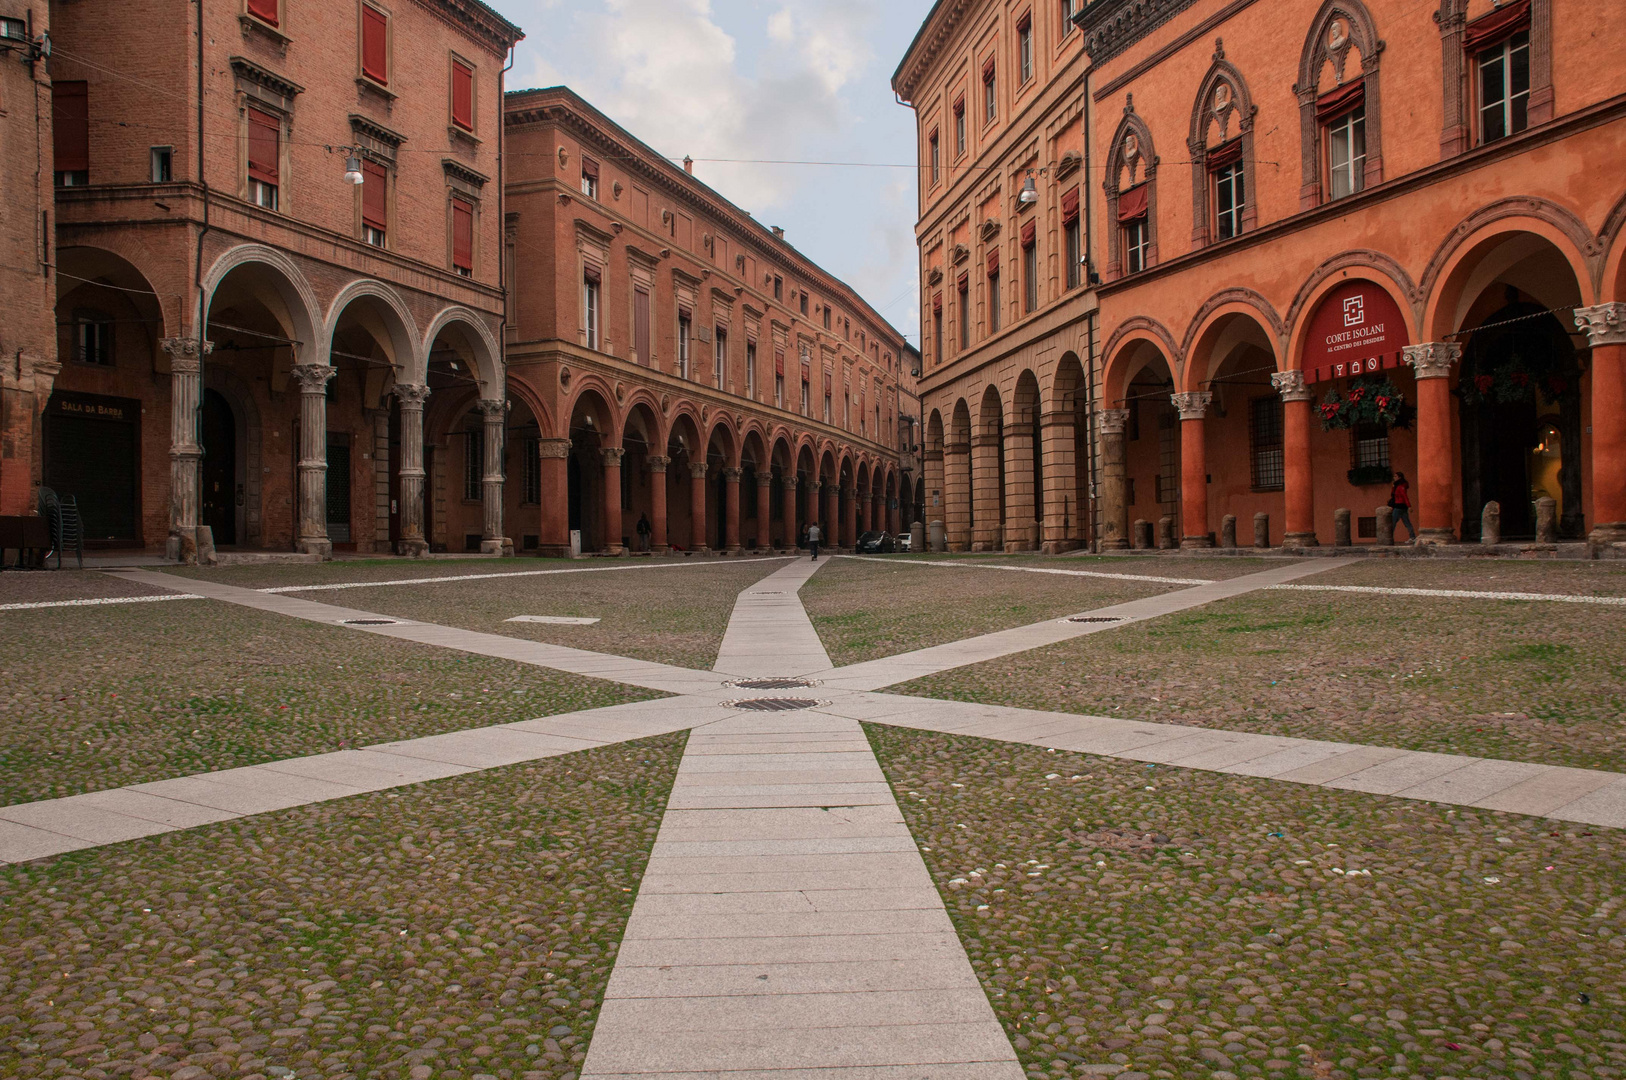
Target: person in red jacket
{"type": "Point", "coordinates": [1400, 503]}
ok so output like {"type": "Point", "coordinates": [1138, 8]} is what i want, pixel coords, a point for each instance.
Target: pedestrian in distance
{"type": "Point", "coordinates": [813, 537]}
{"type": "Point", "coordinates": [1400, 503]}
{"type": "Point", "coordinates": [644, 531]}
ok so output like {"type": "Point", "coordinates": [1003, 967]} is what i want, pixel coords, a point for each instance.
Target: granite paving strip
{"type": "Point", "coordinates": [888, 671]}
{"type": "Point", "coordinates": [769, 633]}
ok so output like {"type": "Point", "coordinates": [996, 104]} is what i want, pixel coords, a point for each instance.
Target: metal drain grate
{"type": "Point", "coordinates": [368, 622]}
{"type": "Point", "coordinates": [775, 704]}
{"type": "Point", "coordinates": [1094, 618]}
{"type": "Point", "coordinates": [773, 684]}
{"type": "Point", "coordinates": [765, 592]}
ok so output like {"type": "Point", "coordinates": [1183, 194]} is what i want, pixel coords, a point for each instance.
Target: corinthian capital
{"type": "Point", "coordinates": [1194, 405]}
{"type": "Point", "coordinates": [1432, 359]}
{"type": "Point", "coordinates": [733, 475]}
{"type": "Point", "coordinates": [411, 394]}
{"type": "Point", "coordinates": [657, 462]}
{"type": "Point", "coordinates": [1290, 384]}
{"type": "Point", "coordinates": [1114, 421]}
{"type": "Point", "coordinates": [1604, 324]}
{"type": "Point", "coordinates": [313, 378]}
{"type": "Point", "coordinates": [612, 455]}
{"type": "Point", "coordinates": [186, 353]}
{"type": "Point", "coordinates": [492, 408]}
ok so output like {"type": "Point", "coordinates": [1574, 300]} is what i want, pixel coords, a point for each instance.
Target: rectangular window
{"type": "Point", "coordinates": [719, 365]}
{"type": "Point", "coordinates": [827, 404]}
{"type": "Point", "coordinates": [640, 324]}
{"type": "Point", "coordinates": [373, 185]}
{"type": "Point", "coordinates": [462, 95]}
{"type": "Point", "coordinates": [589, 178]}
{"type": "Point", "coordinates": [937, 331]}
{"type": "Point", "coordinates": [683, 345]}
{"type": "Point", "coordinates": [1137, 245]}
{"type": "Point", "coordinates": [531, 471]}
{"type": "Point", "coordinates": [965, 313]}
{"type": "Point", "coordinates": [988, 103]}
{"type": "Point", "coordinates": [264, 10]}
{"type": "Point", "coordinates": [93, 338]}
{"type": "Point", "coordinates": [1030, 278]}
{"type": "Point", "coordinates": [847, 411]}
{"type": "Point", "coordinates": [827, 316]}
{"type": "Point", "coordinates": [1369, 447]}
{"type": "Point", "coordinates": [474, 449]}
{"type": "Point", "coordinates": [1024, 50]}
{"type": "Point", "coordinates": [779, 391]}
{"type": "Point", "coordinates": [778, 288]}
{"type": "Point", "coordinates": [1265, 443]}
{"type": "Point", "coordinates": [993, 302]}
{"type": "Point", "coordinates": [1072, 230]}
{"type": "Point", "coordinates": [163, 164]}
{"type": "Point", "coordinates": [375, 36]}
{"type": "Point", "coordinates": [1069, 8]}
{"type": "Point", "coordinates": [804, 303]}
{"type": "Point", "coordinates": [264, 158]}
{"type": "Point", "coordinates": [590, 306]}
{"type": "Point", "coordinates": [937, 170]}
{"type": "Point", "coordinates": [70, 132]}
{"type": "Point", "coordinates": [1230, 198]}
{"type": "Point", "coordinates": [1346, 153]}
{"type": "Point", "coordinates": [804, 397]}
{"type": "Point", "coordinates": [751, 370]}
{"type": "Point", "coordinates": [959, 128]}
{"type": "Point", "coordinates": [463, 237]}
{"type": "Point", "coordinates": [1504, 88]}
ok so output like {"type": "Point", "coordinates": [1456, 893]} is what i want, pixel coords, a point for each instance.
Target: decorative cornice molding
{"type": "Point", "coordinates": [934, 33]}
{"type": "Point", "coordinates": [280, 85]}
{"type": "Point", "coordinates": [456, 170]}
{"type": "Point", "coordinates": [367, 127]}
{"type": "Point", "coordinates": [1111, 26]}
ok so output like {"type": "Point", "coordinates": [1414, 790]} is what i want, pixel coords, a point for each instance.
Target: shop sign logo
{"type": "Point", "coordinates": [1355, 311]}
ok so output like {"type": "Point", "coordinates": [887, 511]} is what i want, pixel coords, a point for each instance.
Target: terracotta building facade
{"type": "Point", "coordinates": [1334, 241]}
{"type": "Point", "coordinates": [278, 250]}
{"type": "Point", "coordinates": [679, 376]}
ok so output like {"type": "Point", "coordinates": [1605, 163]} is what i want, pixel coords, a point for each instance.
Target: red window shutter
{"type": "Point", "coordinates": [264, 10]}
{"type": "Point", "coordinates": [462, 235]}
{"type": "Point", "coordinates": [1222, 156]}
{"type": "Point", "coordinates": [988, 70]}
{"type": "Point", "coordinates": [70, 120]}
{"type": "Point", "coordinates": [779, 361]}
{"type": "Point", "coordinates": [1025, 22]}
{"type": "Point", "coordinates": [965, 282]}
{"type": "Point", "coordinates": [640, 323]}
{"type": "Point", "coordinates": [264, 141]}
{"type": "Point", "coordinates": [1069, 207]}
{"type": "Point", "coordinates": [1504, 22]}
{"type": "Point", "coordinates": [374, 37]}
{"type": "Point", "coordinates": [1132, 203]}
{"type": "Point", "coordinates": [372, 194]}
{"type": "Point", "coordinates": [959, 105]}
{"type": "Point", "coordinates": [462, 95]}
{"type": "Point", "coordinates": [1342, 100]}
{"type": "Point", "coordinates": [1030, 232]}
{"type": "Point", "coordinates": [592, 274]}
{"type": "Point", "coordinates": [937, 302]}
{"type": "Point", "coordinates": [589, 168]}
{"type": "Point", "coordinates": [993, 261]}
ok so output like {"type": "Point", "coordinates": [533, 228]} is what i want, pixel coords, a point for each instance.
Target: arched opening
{"type": "Point", "coordinates": [591, 431]}
{"type": "Point", "coordinates": [686, 492]}
{"type": "Point", "coordinates": [1024, 468]}
{"type": "Point", "coordinates": [218, 503]}
{"type": "Point", "coordinates": [960, 512]}
{"type": "Point", "coordinates": [370, 348]}
{"type": "Point", "coordinates": [640, 441]}
{"type": "Point", "coordinates": [522, 494]}
{"type": "Point", "coordinates": [1244, 425]}
{"type": "Point", "coordinates": [1065, 506]}
{"type": "Point", "coordinates": [1151, 440]}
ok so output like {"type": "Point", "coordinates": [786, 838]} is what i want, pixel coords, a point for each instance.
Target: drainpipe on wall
{"type": "Point", "coordinates": [1089, 265]}
{"type": "Point", "coordinates": [203, 230]}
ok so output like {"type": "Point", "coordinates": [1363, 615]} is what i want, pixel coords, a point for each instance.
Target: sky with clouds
{"type": "Point", "coordinates": [743, 86]}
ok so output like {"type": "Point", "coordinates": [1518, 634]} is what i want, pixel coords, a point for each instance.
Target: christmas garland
{"type": "Point", "coordinates": [1370, 399]}
{"type": "Point", "coordinates": [1513, 381]}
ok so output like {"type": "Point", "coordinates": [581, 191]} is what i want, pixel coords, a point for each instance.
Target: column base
{"type": "Point", "coordinates": [1188, 543]}
{"type": "Point", "coordinates": [321, 547]}
{"type": "Point", "coordinates": [1608, 532]}
{"type": "Point", "coordinates": [1300, 539]}
{"type": "Point", "coordinates": [413, 549]}
{"type": "Point", "coordinates": [958, 546]}
{"type": "Point", "coordinates": [553, 551]}
{"type": "Point", "coordinates": [1059, 547]}
{"type": "Point", "coordinates": [1436, 536]}
{"type": "Point", "coordinates": [182, 547]}
{"type": "Point", "coordinates": [206, 546]}
{"type": "Point", "coordinates": [1116, 543]}
{"type": "Point", "coordinates": [500, 545]}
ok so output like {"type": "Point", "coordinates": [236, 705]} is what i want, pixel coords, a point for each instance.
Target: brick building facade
{"type": "Point", "coordinates": [672, 360]}
{"type": "Point", "coordinates": [1295, 209]}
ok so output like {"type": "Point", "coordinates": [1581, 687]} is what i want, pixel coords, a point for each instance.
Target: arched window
{"type": "Point", "coordinates": [1224, 199]}
{"type": "Point", "coordinates": [1340, 110]}
{"type": "Point", "coordinates": [1497, 71]}
{"type": "Point", "coordinates": [1131, 191]}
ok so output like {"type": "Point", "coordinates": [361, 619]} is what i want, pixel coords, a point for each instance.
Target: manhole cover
{"type": "Point", "coordinates": [775, 704]}
{"type": "Point", "coordinates": [773, 684]}
{"type": "Point", "coordinates": [1094, 618]}
{"type": "Point", "coordinates": [368, 622]}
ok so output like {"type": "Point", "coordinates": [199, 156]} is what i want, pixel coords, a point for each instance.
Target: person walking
{"type": "Point", "coordinates": [813, 537]}
{"type": "Point", "coordinates": [1400, 503]}
{"type": "Point", "coordinates": [644, 531]}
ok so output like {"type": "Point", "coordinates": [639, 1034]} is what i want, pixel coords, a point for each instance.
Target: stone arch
{"type": "Point", "coordinates": [300, 314]}
{"type": "Point", "coordinates": [1339, 27]}
{"type": "Point", "coordinates": [1132, 154]}
{"type": "Point", "coordinates": [394, 319]}
{"type": "Point", "coordinates": [642, 396]}
{"type": "Point", "coordinates": [1222, 96]}
{"type": "Point", "coordinates": [1612, 278]}
{"type": "Point", "coordinates": [1137, 329]}
{"type": "Point", "coordinates": [1233, 300]}
{"type": "Point", "coordinates": [1211, 341]}
{"type": "Point", "coordinates": [723, 431]}
{"type": "Point", "coordinates": [988, 472]}
{"type": "Point", "coordinates": [548, 426]}
{"type": "Point", "coordinates": [1349, 266]}
{"type": "Point", "coordinates": [478, 346]}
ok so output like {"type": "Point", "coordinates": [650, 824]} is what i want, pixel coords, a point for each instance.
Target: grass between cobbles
{"type": "Point", "coordinates": [1180, 566]}
{"type": "Point", "coordinates": [42, 586]}
{"type": "Point", "coordinates": [864, 610]}
{"type": "Point", "coordinates": [1527, 681]}
{"type": "Point", "coordinates": [101, 697]}
{"type": "Point", "coordinates": [1172, 923]}
{"type": "Point", "coordinates": [1564, 577]}
{"type": "Point", "coordinates": [458, 929]}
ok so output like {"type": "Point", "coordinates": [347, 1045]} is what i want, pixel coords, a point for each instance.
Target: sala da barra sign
{"type": "Point", "coordinates": [1356, 330]}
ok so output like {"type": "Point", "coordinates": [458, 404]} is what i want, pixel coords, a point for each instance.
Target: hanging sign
{"type": "Point", "coordinates": [1356, 330]}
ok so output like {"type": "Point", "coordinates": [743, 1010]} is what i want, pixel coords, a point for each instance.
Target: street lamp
{"type": "Point", "coordinates": [1030, 192]}
{"type": "Point", "coordinates": [352, 171]}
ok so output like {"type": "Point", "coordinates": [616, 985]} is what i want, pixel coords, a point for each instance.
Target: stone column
{"type": "Point", "coordinates": [1193, 468]}
{"type": "Point", "coordinates": [554, 469]}
{"type": "Point", "coordinates": [731, 510]}
{"type": "Point", "coordinates": [1605, 327]}
{"type": "Point", "coordinates": [788, 484]}
{"type": "Point", "coordinates": [987, 534]}
{"type": "Point", "coordinates": [830, 523]}
{"type": "Point", "coordinates": [764, 511]}
{"type": "Point", "coordinates": [1064, 516]}
{"type": "Point", "coordinates": [495, 416]}
{"type": "Point", "coordinates": [1297, 474]}
{"type": "Point", "coordinates": [697, 506]}
{"type": "Point", "coordinates": [611, 456]}
{"type": "Point", "coordinates": [957, 495]}
{"type": "Point", "coordinates": [311, 525]}
{"type": "Point", "coordinates": [1021, 513]}
{"type": "Point", "coordinates": [1432, 361]}
{"type": "Point", "coordinates": [657, 502]}
{"type": "Point", "coordinates": [880, 515]}
{"type": "Point", "coordinates": [185, 451]}
{"type": "Point", "coordinates": [1114, 480]}
{"type": "Point", "coordinates": [412, 397]}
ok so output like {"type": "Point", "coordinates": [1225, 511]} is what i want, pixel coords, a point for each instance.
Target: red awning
{"type": "Point", "coordinates": [1501, 23]}
{"type": "Point", "coordinates": [1132, 203]}
{"type": "Point", "coordinates": [1029, 232]}
{"type": "Point", "coordinates": [374, 182]}
{"type": "Point", "coordinates": [1069, 206]}
{"type": "Point", "coordinates": [589, 168]}
{"type": "Point", "coordinates": [993, 261]}
{"type": "Point", "coordinates": [1228, 154]}
{"type": "Point", "coordinates": [937, 302]}
{"type": "Point", "coordinates": [779, 361]}
{"type": "Point", "coordinates": [1341, 100]}
{"type": "Point", "coordinates": [988, 69]}
{"type": "Point", "coordinates": [965, 282]}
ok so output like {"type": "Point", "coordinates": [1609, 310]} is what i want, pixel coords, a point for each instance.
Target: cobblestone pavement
{"type": "Point", "coordinates": [102, 697]}
{"type": "Point", "coordinates": [457, 929]}
{"type": "Point", "coordinates": [1149, 921]}
{"type": "Point", "coordinates": [34, 587]}
{"type": "Point", "coordinates": [1603, 578]}
{"type": "Point", "coordinates": [1528, 681]}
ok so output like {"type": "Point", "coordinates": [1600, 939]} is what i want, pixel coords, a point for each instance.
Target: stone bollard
{"type": "Point", "coordinates": [917, 538]}
{"type": "Point", "coordinates": [1340, 527]}
{"type": "Point", "coordinates": [1261, 530]}
{"type": "Point", "coordinates": [1165, 533]}
{"type": "Point", "coordinates": [1490, 524]}
{"type": "Point", "coordinates": [1228, 531]}
{"type": "Point", "coordinates": [1546, 520]}
{"type": "Point", "coordinates": [1141, 536]}
{"type": "Point", "coordinates": [939, 537]}
{"type": "Point", "coordinates": [206, 546]}
{"type": "Point", "coordinates": [1386, 527]}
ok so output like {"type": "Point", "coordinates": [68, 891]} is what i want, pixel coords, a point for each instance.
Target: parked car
{"type": "Point", "coordinates": [875, 543]}
{"type": "Point", "coordinates": [904, 542]}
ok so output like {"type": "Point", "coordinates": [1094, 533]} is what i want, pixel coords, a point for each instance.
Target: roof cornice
{"type": "Point", "coordinates": [1111, 26]}
{"type": "Point", "coordinates": [941, 22]}
{"type": "Point", "coordinates": [479, 22]}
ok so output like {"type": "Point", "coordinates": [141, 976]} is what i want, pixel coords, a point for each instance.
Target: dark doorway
{"type": "Point", "coordinates": [219, 496]}
{"type": "Point", "coordinates": [92, 453]}
{"type": "Point", "coordinates": [573, 471]}
{"type": "Point", "coordinates": [338, 487]}
{"type": "Point", "coordinates": [395, 474]}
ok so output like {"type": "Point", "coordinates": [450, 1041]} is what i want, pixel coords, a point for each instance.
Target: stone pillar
{"type": "Point", "coordinates": [957, 495]}
{"type": "Point", "coordinates": [1022, 528]}
{"type": "Point", "coordinates": [881, 515]}
{"type": "Point", "coordinates": [494, 414]}
{"type": "Point", "coordinates": [788, 486]}
{"type": "Point", "coordinates": [1261, 530]}
{"type": "Point", "coordinates": [1340, 527]}
{"type": "Point", "coordinates": [1297, 473]}
{"type": "Point", "coordinates": [1490, 524]}
{"type": "Point", "coordinates": [697, 506]}
{"type": "Point", "coordinates": [987, 534]}
{"type": "Point", "coordinates": [731, 509]}
{"type": "Point", "coordinates": [1228, 531]}
{"type": "Point", "coordinates": [311, 526]}
{"type": "Point", "coordinates": [611, 457]}
{"type": "Point", "coordinates": [1193, 468]}
{"type": "Point", "coordinates": [764, 511]}
{"type": "Point", "coordinates": [553, 467]}
{"type": "Point", "coordinates": [1605, 327]}
{"type": "Point", "coordinates": [1432, 361]}
{"type": "Point", "coordinates": [412, 541]}
{"type": "Point", "coordinates": [831, 521]}
{"type": "Point", "coordinates": [657, 502]}
{"type": "Point", "coordinates": [1114, 481]}
{"type": "Point", "coordinates": [1165, 533]}
{"type": "Point", "coordinates": [185, 451]}
{"type": "Point", "coordinates": [1546, 520]}
{"type": "Point", "coordinates": [1385, 518]}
